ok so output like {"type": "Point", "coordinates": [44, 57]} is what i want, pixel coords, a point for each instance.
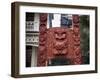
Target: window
{"type": "Point", "coordinates": [65, 20]}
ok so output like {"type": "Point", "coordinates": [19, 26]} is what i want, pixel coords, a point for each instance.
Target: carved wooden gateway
{"type": "Point", "coordinates": [59, 45]}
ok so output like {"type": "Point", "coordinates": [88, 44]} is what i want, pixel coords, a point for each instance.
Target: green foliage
{"type": "Point", "coordinates": [84, 32]}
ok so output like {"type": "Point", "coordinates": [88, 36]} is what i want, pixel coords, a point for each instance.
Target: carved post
{"type": "Point", "coordinates": [77, 57]}
{"type": "Point", "coordinates": [41, 61]}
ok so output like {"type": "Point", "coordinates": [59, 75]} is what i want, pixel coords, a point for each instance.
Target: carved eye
{"type": "Point", "coordinates": [56, 32]}
{"type": "Point", "coordinates": [63, 33]}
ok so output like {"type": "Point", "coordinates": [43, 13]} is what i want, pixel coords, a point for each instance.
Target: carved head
{"type": "Point", "coordinates": [60, 34]}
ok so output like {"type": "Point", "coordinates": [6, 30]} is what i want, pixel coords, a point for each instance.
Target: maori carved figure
{"type": "Point", "coordinates": [41, 61]}
{"type": "Point", "coordinates": [57, 42]}
{"type": "Point", "coordinates": [60, 41]}
{"type": "Point", "coordinates": [77, 59]}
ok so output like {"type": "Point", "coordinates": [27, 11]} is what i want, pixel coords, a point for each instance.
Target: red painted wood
{"type": "Point", "coordinates": [77, 59]}
{"type": "Point", "coordinates": [59, 41]}
{"type": "Point", "coordinates": [56, 42]}
{"type": "Point", "coordinates": [41, 61]}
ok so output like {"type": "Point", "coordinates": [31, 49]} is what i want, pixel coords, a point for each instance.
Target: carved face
{"type": "Point", "coordinates": [60, 42]}
{"type": "Point", "coordinates": [60, 34]}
